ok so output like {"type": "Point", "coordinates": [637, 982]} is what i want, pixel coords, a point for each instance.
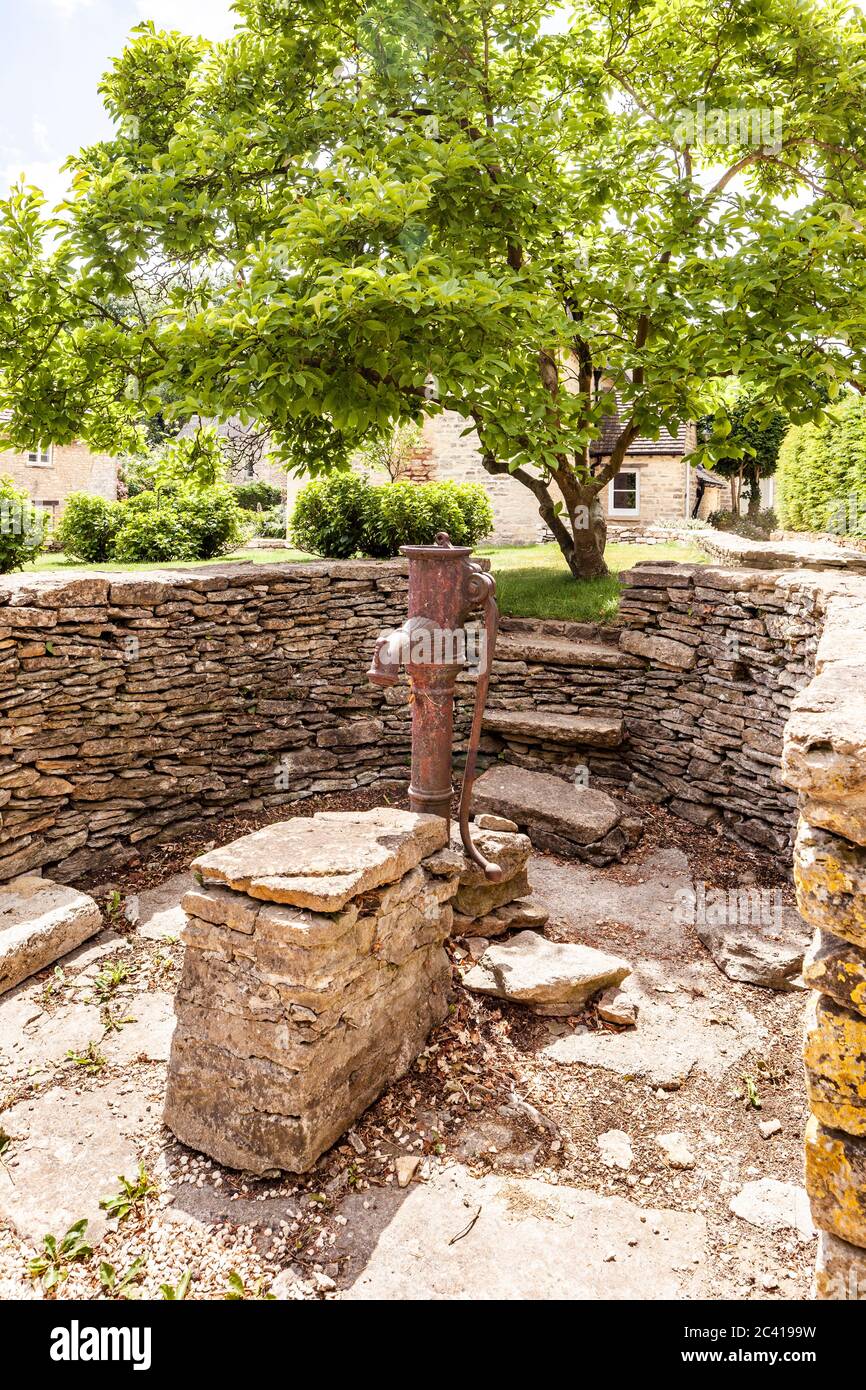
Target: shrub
{"type": "Point", "coordinates": [755, 528]}
{"type": "Point", "coordinates": [822, 473]}
{"type": "Point", "coordinates": [341, 515]}
{"type": "Point", "coordinates": [272, 523]}
{"type": "Point", "coordinates": [214, 518]}
{"type": "Point", "coordinates": [331, 516]}
{"type": "Point", "coordinates": [257, 495]}
{"type": "Point", "coordinates": [88, 527]}
{"type": "Point", "coordinates": [185, 523]}
{"type": "Point", "coordinates": [154, 529]}
{"type": "Point", "coordinates": [23, 527]}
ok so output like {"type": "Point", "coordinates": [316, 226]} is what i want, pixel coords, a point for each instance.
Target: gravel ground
{"type": "Point", "coordinates": [484, 1094]}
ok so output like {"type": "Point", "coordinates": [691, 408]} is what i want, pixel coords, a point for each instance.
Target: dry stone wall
{"type": "Point", "coordinates": [825, 762]}
{"type": "Point", "coordinates": [702, 672]}
{"type": "Point", "coordinates": [132, 708]}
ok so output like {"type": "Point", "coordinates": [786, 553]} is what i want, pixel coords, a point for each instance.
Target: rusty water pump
{"type": "Point", "coordinates": [446, 588]}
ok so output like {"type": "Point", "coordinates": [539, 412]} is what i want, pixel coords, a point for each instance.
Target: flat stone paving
{"type": "Point", "coordinates": [583, 1230]}
{"type": "Point", "coordinates": [462, 1237]}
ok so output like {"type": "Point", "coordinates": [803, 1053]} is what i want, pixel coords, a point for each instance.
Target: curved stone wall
{"type": "Point", "coordinates": [824, 760]}
{"type": "Point", "coordinates": [133, 706]}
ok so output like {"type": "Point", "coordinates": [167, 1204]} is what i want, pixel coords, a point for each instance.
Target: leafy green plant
{"type": "Point", "coordinates": [822, 473]}
{"type": "Point", "coordinates": [751, 1094]}
{"type": "Point", "coordinates": [257, 495]}
{"type": "Point", "coordinates": [23, 527]}
{"type": "Point", "coordinates": [238, 1290]}
{"type": "Point", "coordinates": [331, 516]}
{"type": "Point", "coordinates": [111, 977]}
{"type": "Point", "coordinates": [91, 1059]}
{"type": "Point", "coordinates": [133, 1196]}
{"type": "Point", "coordinates": [344, 515]}
{"type": "Point", "coordinates": [177, 1292]}
{"type": "Point", "coordinates": [56, 982]}
{"type": "Point", "coordinates": [51, 1267]}
{"type": "Point", "coordinates": [118, 1284]}
{"type": "Point", "coordinates": [89, 526]}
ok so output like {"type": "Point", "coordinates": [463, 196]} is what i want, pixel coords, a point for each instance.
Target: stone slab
{"type": "Point", "coordinates": [548, 726]}
{"type": "Point", "coordinates": [667, 1045]}
{"type": "Point", "coordinates": [774, 1207]}
{"type": "Point", "coordinates": [548, 649]}
{"type": "Point", "coordinates": [40, 921]}
{"type": "Point", "coordinates": [529, 1240]}
{"type": "Point", "coordinates": [766, 954]}
{"type": "Point", "coordinates": [160, 914]}
{"type": "Point", "coordinates": [553, 978]}
{"type": "Point", "coordinates": [68, 1151]}
{"type": "Point", "coordinates": [556, 815]}
{"type": "Point", "coordinates": [323, 861]}
{"type": "Point", "coordinates": [148, 1037]}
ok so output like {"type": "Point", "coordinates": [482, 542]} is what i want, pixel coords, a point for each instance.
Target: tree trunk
{"type": "Point", "coordinates": [587, 561]}
{"type": "Point", "coordinates": [579, 527]}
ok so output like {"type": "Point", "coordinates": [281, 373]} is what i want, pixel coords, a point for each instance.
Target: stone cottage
{"type": "Point", "coordinates": [656, 482]}
{"type": "Point", "coordinates": [50, 473]}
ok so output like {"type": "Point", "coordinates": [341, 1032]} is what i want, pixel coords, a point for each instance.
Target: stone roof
{"type": "Point", "coordinates": [611, 429]}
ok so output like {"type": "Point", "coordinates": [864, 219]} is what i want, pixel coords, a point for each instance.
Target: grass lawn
{"type": "Point", "coordinates": [256, 557]}
{"type": "Point", "coordinates": [533, 581]}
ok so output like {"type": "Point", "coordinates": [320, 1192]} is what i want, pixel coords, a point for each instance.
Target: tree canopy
{"type": "Point", "coordinates": [352, 215]}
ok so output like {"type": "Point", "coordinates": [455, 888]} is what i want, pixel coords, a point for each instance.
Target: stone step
{"type": "Point", "coordinates": [577, 822]}
{"type": "Point", "coordinates": [547, 726]}
{"type": "Point", "coordinates": [548, 650]}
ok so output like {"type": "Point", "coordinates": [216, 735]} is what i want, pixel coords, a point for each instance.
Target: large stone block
{"type": "Point", "coordinates": [836, 1182]}
{"type": "Point", "coordinates": [577, 822]}
{"type": "Point", "coordinates": [838, 968]}
{"type": "Point", "coordinates": [323, 861]}
{"type": "Point", "coordinates": [830, 875]}
{"type": "Point", "coordinates": [835, 1058]}
{"type": "Point", "coordinates": [41, 921]}
{"type": "Point", "coordinates": [841, 1270]}
{"type": "Point", "coordinates": [291, 1021]}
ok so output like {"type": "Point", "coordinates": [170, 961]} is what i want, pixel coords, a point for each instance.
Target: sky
{"type": "Point", "coordinates": [54, 53]}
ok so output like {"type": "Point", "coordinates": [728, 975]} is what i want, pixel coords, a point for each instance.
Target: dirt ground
{"type": "Point", "coordinates": [497, 1091]}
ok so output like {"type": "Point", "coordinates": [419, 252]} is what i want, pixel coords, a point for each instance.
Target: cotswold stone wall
{"type": "Point", "coordinates": [702, 670]}
{"type": "Point", "coordinates": [133, 707]}
{"type": "Point", "coordinates": [825, 762]}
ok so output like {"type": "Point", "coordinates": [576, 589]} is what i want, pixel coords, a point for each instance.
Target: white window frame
{"type": "Point", "coordinates": [612, 509]}
{"type": "Point", "coordinates": [40, 457]}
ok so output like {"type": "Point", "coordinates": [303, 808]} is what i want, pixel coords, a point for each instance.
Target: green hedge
{"type": "Point", "coordinates": [23, 527]}
{"type": "Point", "coordinates": [343, 514]}
{"type": "Point", "coordinates": [821, 477]}
{"type": "Point", "coordinates": [173, 523]}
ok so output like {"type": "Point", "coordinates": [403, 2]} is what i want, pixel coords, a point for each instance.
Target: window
{"type": "Point", "coordinates": [623, 494]}
{"type": "Point", "coordinates": [41, 456]}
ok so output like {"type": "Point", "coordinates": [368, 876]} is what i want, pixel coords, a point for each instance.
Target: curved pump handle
{"type": "Point", "coordinates": [482, 594]}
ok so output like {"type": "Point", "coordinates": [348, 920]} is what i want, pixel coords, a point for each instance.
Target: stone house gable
{"type": "Point", "coordinates": [50, 473]}
{"type": "Point", "coordinates": [655, 484]}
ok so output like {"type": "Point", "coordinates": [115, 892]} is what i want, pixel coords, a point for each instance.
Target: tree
{"type": "Point", "coordinates": [360, 214]}
{"type": "Point", "coordinates": [748, 447]}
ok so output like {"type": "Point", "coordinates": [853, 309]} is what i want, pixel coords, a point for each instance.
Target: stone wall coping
{"type": "Point", "coordinates": [781, 554]}
{"type": "Point", "coordinates": [89, 587]}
